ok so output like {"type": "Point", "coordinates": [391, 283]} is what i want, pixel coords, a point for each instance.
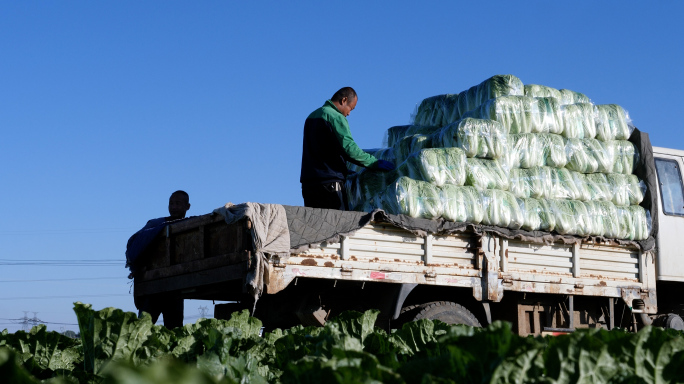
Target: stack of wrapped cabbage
{"type": "Point", "coordinates": [515, 156]}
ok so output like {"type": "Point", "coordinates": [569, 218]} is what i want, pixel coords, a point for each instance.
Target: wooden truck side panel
{"type": "Point", "coordinates": [198, 251]}
{"type": "Point", "coordinates": [488, 265]}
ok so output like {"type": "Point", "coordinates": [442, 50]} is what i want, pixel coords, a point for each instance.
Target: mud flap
{"type": "Point", "coordinates": [491, 288]}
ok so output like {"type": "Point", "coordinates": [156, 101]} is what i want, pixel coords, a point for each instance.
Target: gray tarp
{"type": "Point", "coordinates": [270, 236]}
{"type": "Point", "coordinates": [306, 230]}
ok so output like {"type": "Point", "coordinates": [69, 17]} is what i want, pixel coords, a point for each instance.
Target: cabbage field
{"type": "Point", "coordinates": [117, 347]}
{"type": "Point", "coordinates": [512, 155]}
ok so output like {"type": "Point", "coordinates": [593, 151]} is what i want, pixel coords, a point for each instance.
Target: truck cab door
{"type": "Point", "coordinates": [670, 258]}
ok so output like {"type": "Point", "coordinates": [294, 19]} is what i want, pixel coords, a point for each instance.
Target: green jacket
{"type": "Point", "coordinates": [328, 146]}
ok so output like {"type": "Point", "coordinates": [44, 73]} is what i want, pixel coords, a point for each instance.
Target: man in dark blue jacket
{"type": "Point", "coordinates": [328, 146]}
{"type": "Point", "coordinates": [168, 305]}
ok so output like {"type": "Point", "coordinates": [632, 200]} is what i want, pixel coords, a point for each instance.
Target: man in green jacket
{"type": "Point", "coordinates": [328, 146]}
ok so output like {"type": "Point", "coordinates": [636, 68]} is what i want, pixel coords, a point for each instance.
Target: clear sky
{"type": "Point", "coordinates": [108, 107]}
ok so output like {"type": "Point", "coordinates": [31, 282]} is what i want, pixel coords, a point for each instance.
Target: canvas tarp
{"type": "Point", "coordinates": [270, 236]}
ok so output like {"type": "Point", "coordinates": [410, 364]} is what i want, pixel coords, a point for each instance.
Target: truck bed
{"type": "Point", "coordinates": [383, 253]}
{"type": "Point", "coordinates": [205, 258]}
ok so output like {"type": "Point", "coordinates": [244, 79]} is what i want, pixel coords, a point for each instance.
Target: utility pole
{"type": "Point", "coordinates": [27, 322]}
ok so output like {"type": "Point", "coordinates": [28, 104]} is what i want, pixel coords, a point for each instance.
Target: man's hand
{"type": "Point", "coordinates": [385, 166]}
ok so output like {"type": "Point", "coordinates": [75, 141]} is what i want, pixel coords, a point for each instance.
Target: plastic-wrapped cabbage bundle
{"type": "Point", "coordinates": [534, 90]}
{"type": "Point", "coordinates": [397, 133]}
{"type": "Point", "coordinates": [524, 151]}
{"type": "Point", "coordinates": [461, 204]}
{"type": "Point", "coordinates": [409, 145]}
{"type": "Point", "coordinates": [634, 223]}
{"type": "Point", "coordinates": [486, 174]}
{"type": "Point", "coordinates": [365, 184]}
{"type": "Point", "coordinates": [553, 150]}
{"type": "Point", "coordinates": [379, 153]}
{"type": "Point", "coordinates": [572, 217]}
{"type": "Point", "coordinates": [583, 193]}
{"type": "Point", "coordinates": [533, 182]}
{"type": "Point", "coordinates": [642, 222]}
{"type": "Point", "coordinates": [604, 218]}
{"type": "Point", "coordinates": [572, 97]}
{"type": "Point", "coordinates": [529, 150]}
{"type": "Point", "coordinates": [411, 197]}
{"type": "Point", "coordinates": [477, 137]}
{"type": "Point", "coordinates": [599, 187]}
{"type": "Point", "coordinates": [590, 155]}
{"type": "Point", "coordinates": [612, 123]}
{"type": "Point", "coordinates": [579, 159]}
{"type": "Point", "coordinates": [530, 209]}
{"type": "Point", "coordinates": [354, 198]}
{"type": "Point", "coordinates": [566, 184]}
{"type": "Point", "coordinates": [518, 114]}
{"type": "Point", "coordinates": [501, 209]}
{"type": "Point", "coordinates": [438, 166]}
{"type": "Point", "coordinates": [437, 111]}
{"type": "Point", "coordinates": [551, 118]}
{"type": "Point", "coordinates": [626, 223]}
{"type": "Point", "coordinates": [537, 214]}
{"type": "Point", "coordinates": [626, 156]}
{"type": "Point", "coordinates": [626, 189]}
{"type": "Point", "coordinates": [495, 86]}
{"type": "Point", "coordinates": [594, 216]}
{"type": "Point", "coordinates": [578, 121]}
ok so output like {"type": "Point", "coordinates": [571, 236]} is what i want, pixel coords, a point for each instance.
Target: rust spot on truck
{"type": "Point", "coordinates": [353, 258]}
{"type": "Point", "coordinates": [310, 262]}
{"type": "Point", "coordinates": [329, 264]}
{"type": "Point", "coordinates": [397, 260]}
{"type": "Point", "coordinates": [334, 257]}
{"type": "Point", "coordinates": [551, 288]}
{"type": "Point", "coordinates": [319, 257]}
{"type": "Point", "coordinates": [602, 283]}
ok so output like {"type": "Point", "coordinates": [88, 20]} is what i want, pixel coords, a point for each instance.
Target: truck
{"type": "Point", "coordinates": [412, 269]}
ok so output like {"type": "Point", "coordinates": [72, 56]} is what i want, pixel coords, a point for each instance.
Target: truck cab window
{"type": "Point", "coordinates": [671, 193]}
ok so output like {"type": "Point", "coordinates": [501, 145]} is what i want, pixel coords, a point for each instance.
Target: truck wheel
{"type": "Point", "coordinates": [448, 312]}
{"type": "Point", "coordinates": [673, 321]}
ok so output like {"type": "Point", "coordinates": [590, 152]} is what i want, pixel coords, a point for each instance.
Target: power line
{"type": "Point", "coordinates": [75, 296]}
{"type": "Point", "coordinates": [21, 319]}
{"type": "Point", "coordinates": [71, 279]}
{"type": "Point", "coordinates": [66, 231]}
{"type": "Point", "coordinates": [62, 263]}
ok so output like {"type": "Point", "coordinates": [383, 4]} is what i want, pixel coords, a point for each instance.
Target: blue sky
{"type": "Point", "coordinates": [108, 107]}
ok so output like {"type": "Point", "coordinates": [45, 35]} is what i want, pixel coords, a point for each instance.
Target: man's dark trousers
{"type": "Point", "coordinates": [326, 195]}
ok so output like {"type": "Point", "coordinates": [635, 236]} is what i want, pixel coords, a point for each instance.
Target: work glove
{"type": "Point", "coordinates": [385, 166]}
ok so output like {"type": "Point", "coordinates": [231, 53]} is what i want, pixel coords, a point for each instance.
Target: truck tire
{"type": "Point", "coordinates": [674, 321]}
{"type": "Point", "coordinates": [448, 312]}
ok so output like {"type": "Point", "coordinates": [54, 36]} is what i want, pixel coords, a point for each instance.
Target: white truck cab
{"type": "Point", "coordinates": [669, 164]}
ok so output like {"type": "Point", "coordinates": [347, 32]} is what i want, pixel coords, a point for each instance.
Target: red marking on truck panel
{"type": "Point", "coordinates": [377, 275]}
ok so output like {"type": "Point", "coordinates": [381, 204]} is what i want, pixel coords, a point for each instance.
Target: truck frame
{"type": "Point", "coordinates": [465, 277]}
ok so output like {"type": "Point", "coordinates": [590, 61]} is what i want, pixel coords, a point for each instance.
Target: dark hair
{"type": "Point", "coordinates": [179, 192]}
{"type": "Point", "coordinates": [347, 92]}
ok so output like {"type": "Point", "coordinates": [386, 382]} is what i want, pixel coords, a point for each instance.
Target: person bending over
{"type": "Point", "coordinates": [328, 146]}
